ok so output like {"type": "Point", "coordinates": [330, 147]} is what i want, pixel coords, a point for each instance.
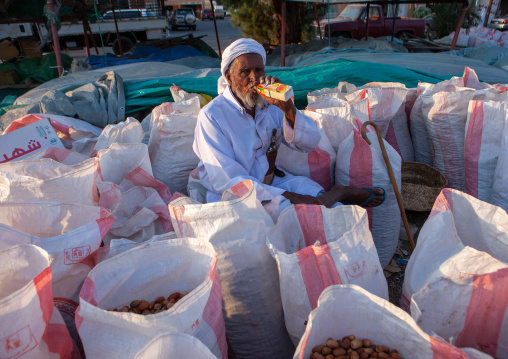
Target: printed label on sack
{"type": "Point", "coordinates": [17, 344]}
{"type": "Point", "coordinates": [66, 306]}
{"type": "Point", "coordinates": [355, 270]}
{"type": "Point", "coordinates": [76, 255]}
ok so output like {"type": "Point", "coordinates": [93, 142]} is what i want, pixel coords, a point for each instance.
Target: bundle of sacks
{"type": "Point", "coordinates": [66, 203]}
{"type": "Point", "coordinates": [456, 282]}
{"type": "Point", "coordinates": [343, 157]}
{"type": "Point", "coordinates": [457, 126]}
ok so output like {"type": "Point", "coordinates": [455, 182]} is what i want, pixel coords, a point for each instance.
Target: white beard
{"type": "Point", "coordinates": [250, 100]}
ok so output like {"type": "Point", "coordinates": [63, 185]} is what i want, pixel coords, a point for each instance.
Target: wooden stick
{"type": "Point", "coordinates": [392, 178]}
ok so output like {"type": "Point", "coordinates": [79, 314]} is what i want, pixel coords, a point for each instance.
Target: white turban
{"type": "Point", "coordinates": [237, 48]}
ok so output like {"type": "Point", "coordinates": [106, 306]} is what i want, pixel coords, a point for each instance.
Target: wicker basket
{"type": "Point", "coordinates": [421, 184]}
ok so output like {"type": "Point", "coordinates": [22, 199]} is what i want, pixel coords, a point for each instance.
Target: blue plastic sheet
{"type": "Point", "coordinates": [144, 54]}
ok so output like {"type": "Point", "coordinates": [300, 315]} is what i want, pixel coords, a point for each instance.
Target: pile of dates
{"type": "Point", "coordinates": [351, 348]}
{"type": "Point", "coordinates": [145, 308]}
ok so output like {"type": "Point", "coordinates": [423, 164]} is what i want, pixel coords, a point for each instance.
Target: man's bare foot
{"type": "Point", "coordinates": [354, 195]}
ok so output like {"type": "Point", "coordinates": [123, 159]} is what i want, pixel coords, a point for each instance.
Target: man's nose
{"type": "Point", "coordinates": [253, 76]}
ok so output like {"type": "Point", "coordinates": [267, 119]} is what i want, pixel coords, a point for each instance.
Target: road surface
{"type": "Point", "coordinates": [227, 33]}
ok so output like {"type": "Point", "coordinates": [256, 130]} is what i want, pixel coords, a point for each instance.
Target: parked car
{"type": "Point", "coordinates": [351, 24]}
{"type": "Point", "coordinates": [499, 23]}
{"type": "Point", "coordinates": [227, 13]}
{"type": "Point", "coordinates": [128, 14]}
{"type": "Point", "coordinates": [183, 17]}
{"type": "Point", "coordinates": [206, 14]}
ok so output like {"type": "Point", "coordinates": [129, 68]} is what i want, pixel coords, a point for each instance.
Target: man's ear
{"type": "Point", "coordinates": [227, 75]}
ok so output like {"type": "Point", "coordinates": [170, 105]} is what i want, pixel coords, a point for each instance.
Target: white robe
{"type": "Point", "coordinates": [232, 148]}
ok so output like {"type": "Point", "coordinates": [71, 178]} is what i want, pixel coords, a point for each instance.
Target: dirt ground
{"type": "Point", "coordinates": [396, 279]}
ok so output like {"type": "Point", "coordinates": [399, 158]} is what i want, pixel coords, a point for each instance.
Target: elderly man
{"type": "Point", "coordinates": [236, 129]}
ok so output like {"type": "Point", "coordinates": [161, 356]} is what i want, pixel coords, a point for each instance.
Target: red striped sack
{"type": "Point", "coordinates": [470, 309]}
{"type": "Point", "coordinates": [237, 229]}
{"type": "Point", "coordinates": [318, 165]}
{"type": "Point", "coordinates": [70, 233]}
{"type": "Point", "coordinates": [184, 265]}
{"type": "Point", "coordinates": [387, 110]}
{"type": "Point", "coordinates": [462, 237]}
{"type": "Point", "coordinates": [348, 309]}
{"type": "Point", "coordinates": [316, 247]}
{"type": "Point", "coordinates": [445, 115]}
{"type": "Point", "coordinates": [30, 326]}
{"type": "Point", "coordinates": [482, 146]}
{"type": "Point", "coordinates": [128, 189]}
{"type": "Point", "coordinates": [361, 165]}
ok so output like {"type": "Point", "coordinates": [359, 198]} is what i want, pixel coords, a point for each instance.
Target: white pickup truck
{"type": "Point", "coordinates": [134, 25]}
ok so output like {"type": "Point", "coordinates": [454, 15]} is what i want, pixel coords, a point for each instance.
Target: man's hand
{"type": "Point", "coordinates": [288, 107]}
{"type": "Point", "coordinates": [296, 198]}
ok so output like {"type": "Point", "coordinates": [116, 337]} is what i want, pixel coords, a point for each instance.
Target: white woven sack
{"type": "Point", "coordinates": [338, 92]}
{"type": "Point", "coordinates": [361, 165]}
{"type": "Point", "coordinates": [471, 310]}
{"type": "Point", "coordinates": [463, 236]}
{"type": "Point", "coordinates": [70, 233]}
{"type": "Point", "coordinates": [250, 284]}
{"type": "Point", "coordinates": [61, 155]}
{"type": "Point", "coordinates": [445, 115]}
{"type": "Point", "coordinates": [482, 146]}
{"type": "Point", "coordinates": [388, 112]}
{"type": "Point", "coordinates": [30, 326]}
{"type": "Point", "coordinates": [421, 141]}
{"type": "Point", "coordinates": [174, 344]}
{"type": "Point", "coordinates": [184, 265]}
{"type": "Point", "coordinates": [316, 247]}
{"type": "Point", "coordinates": [170, 144]}
{"type": "Point", "coordinates": [48, 180]}
{"type": "Point", "coordinates": [337, 123]}
{"type": "Point", "coordinates": [499, 190]}
{"type": "Point", "coordinates": [128, 166]}
{"type": "Point", "coordinates": [128, 131]}
{"type": "Point", "coordinates": [117, 246]}
{"type": "Point", "coordinates": [140, 213]}
{"type": "Point", "coordinates": [350, 310]}
{"type": "Point", "coordinates": [318, 165]}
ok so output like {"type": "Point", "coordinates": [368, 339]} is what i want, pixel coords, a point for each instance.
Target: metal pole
{"type": "Point", "coordinates": [367, 23]}
{"type": "Point", "coordinates": [394, 17]}
{"type": "Point", "coordinates": [459, 25]}
{"type": "Point", "coordinates": [116, 27]}
{"type": "Point", "coordinates": [216, 32]}
{"type": "Point", "coordinates": [486, 21]}
{"type": "Point", "coordinates": [329, 28]}
{"type": "Point", "coordinates": [56, 40]}
{"type": "Point", "coordinates": [87, 45]}
{"type": "Point", "coordinates": [283, 35]}
{"type": "Point", "coordinates": [89, 29]}
{"type": "Point", "coordinates": [317, 19]}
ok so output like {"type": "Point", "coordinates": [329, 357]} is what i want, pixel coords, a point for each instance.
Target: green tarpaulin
{"type": "Point", "coordinates": [148, 94]}
{"type": "Point", "coordinates": [41, 69]}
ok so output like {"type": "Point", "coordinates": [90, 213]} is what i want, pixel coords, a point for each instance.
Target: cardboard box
{"type": "Point", "coordinates": [7, 50]}
{"type": "Point", "coordinates": [30, 46]}
{"type": "Point", "coordinates": [28, 140]}
{"type": "Point", "coordinates": [276, 90]}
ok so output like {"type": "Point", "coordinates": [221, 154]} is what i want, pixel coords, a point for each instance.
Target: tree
{"type": "Point", "coordinates": [261, 19]}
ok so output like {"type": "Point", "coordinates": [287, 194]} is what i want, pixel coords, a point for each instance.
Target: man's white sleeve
{"type": "Point", "coordinates": [304, 137]}
{"type": "Point", "coordinates": [218, 158]}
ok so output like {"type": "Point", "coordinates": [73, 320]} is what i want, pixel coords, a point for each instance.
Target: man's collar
{"type": "Point", "coordinates": [228, 95]}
